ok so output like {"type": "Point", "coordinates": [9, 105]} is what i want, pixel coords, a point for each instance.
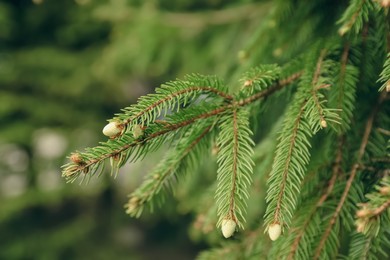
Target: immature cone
{"type": "Point", "coordinates": [247, 83]}
{"type": "Point", "coordinates": [323, 123]}
{"type": "Point", "coordinates": [137, 131]}
{"type": "Point", "coordinates": [343, 30]}
{"type": "Point", "coordinates": [76, 158]}
{"type": "Point", "coordinates": [228, 227]}
{"type": "Point", "coordinates": [274, 231]}
{"type": "Point", "coordinates": [385, 3]}
{"type": "Point", "coordinates": [360, 225]}
{"type": "Point", "coordinates": [385, 190]}
{"type": "Point", "coordinates": [363, 213]}
{"type": "Point", "coordinates": [112, 129]}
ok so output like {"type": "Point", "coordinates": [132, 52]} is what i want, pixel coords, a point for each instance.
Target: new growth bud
{"type": "Point", "coordinates": [247, 83]}
{"type": "Point", "coordinates": [385, 3]}
{"type": "Point", "coordinates": [363, 213]}
{"type": "Point", "coordinates": [113, 129]}
{"type": "Point", "coordinates": [343, 30]}
{"type": "Point", "coordinates": [385, 190]}
{"type": "Point", "coordinates": [323, 123]}
{"type": "Point", "coordinates": [274, 231]}
{"type": "Point", "coordinates": [137, 131]}
{"type": "Point", "coordinates": [76, 158]}
{"type": "Point", "coordinates": [228, 227]}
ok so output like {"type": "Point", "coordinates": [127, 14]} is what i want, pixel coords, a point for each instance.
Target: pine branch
{"type": "Point", "coordinates": [369, 214]}
{"type": "Point", "coordinates": [269, 91]}
{"type": "Point", "coordinates": [355, 16]}
{"type": "Point", "coordinates": [284, 164]}
{"type": "Point", "coordinates": [308, 218]}
{"type": "Point", "coordinates": [351, 178]}
{"type": "Point", "coordinates": [259, 78]}
{"type": "Point", "coordinates": [163, 176]}
{"type": "Point", "coordinates": [342, 94]}
{"type": "Point", "coordinates": [153, 137]}
{"type": "Point", "coordinates": [385, 75]}
{"type": "Point", "coordinates": [156, 133]}
{"type": "Point", "coordinates": [234, 167]}
{"type": "Point", "coordinates": [303, 119]}
{"type": "Point", "coordinates": [171, 96]}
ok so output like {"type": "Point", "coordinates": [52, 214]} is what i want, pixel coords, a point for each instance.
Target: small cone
{"type": "Point", "coordinates": [76, 158]}
{"type": "Point", "coordinates": [323, 123]}
{"type": "Point", "coordinates": [274, 231]}
{"type": "Point", "coordinates": [112, 129]}
{"type": "Point", "coordinates": [385, 3]}
{"type": "Point", "coordinates": [228, 227]}
{"type": "Point", "coordinates": [343, 30]}
{"type": "Point", "coordinates": [137, 131]}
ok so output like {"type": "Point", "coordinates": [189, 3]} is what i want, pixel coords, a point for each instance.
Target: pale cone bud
{"type": "Point", "coordinates": [385, 3]}
{"type": "Point", "coordinates": [323, 123]}
{"type": "Point", "coordinates": [137, 131]}
{"type": "Point", "coordinates": [76, 158]}
{"type": "Point", "coordinates": [363, 213]}
{"type": "Point", "coordinates": [360, 226]}
{"type": "Point", "coordinates": [388, 84]}
{"type": "Point", "coordinates": [228, 227]}
{"type": "Point", "coordinates": [385, 190]}
{"type": "Point", "coordinates": [247, 83]}
{"type": "Point", "coordinates": [274, 231]}
{"type": "Point", "coordinates": [112, 129]}
{"type": "Point", "coordinates": [343, 30]}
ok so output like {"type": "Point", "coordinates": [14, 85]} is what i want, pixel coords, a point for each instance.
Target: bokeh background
{"type": "Point", "coordinates": [66, 66]}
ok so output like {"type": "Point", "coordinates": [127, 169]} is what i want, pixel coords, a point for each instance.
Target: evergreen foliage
{"type": "Point", "coordinates": [329, 157]}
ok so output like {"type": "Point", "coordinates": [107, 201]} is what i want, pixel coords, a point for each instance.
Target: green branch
{"type": "Point", "coordinates": [351, 178]}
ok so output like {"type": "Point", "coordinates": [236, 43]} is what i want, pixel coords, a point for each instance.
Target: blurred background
{"type": "Point", "coordinates": [66, 66]}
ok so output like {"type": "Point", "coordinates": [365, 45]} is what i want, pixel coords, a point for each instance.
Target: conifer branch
{"type": "Point", "coordinates": [176, 94]}
{"type": "Point", "coordinates": [302, 120]}
{"type": "Point", "coordinates": [385, 74]}
{"type": "Point", "coordinates": [267, 92]}
{"type": "Point", "coordinates": [351, 178]}
{"type": "Point", "coordinates": [380, 209]}
{"type": "Point", "coordinates": [318, 69]}
{"type": "Point", "coordinates": [335, 173]}
{"type": "Point", "coordinates": [370, 213]}
{"type": "Point", "coordinates": [260, 77]}
{"type": "Point", "coordinates": [292, 141]}
{"type": "Point", "coordinates": [342, 94]}
{"type": "Point", "coordinates": [162, 175]}
{"type": "Point", "coordinates": [234, 167]}
{"type": "Point", "coordinates": [72, 170]}
{"type": "Point", "coordinates": [355, 15]}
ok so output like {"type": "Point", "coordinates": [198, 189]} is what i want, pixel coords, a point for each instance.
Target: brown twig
{"type": "Point", "coordinates": [234, 166]}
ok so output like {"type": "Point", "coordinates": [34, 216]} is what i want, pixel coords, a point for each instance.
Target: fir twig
{"type": "Point", "coordinates": [335, 173]}
{"type": "Point", "coordinates": [72, 170]}
{"type": "Point", "coordinates": [161, 176]}
{"type": "Point", "coordinates": [351, 178]}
